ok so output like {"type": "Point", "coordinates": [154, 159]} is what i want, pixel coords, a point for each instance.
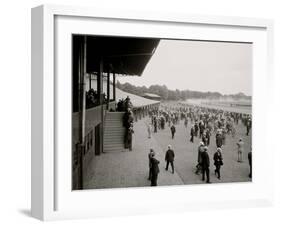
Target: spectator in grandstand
{"type": "Point", "coordinates": [128, 103]}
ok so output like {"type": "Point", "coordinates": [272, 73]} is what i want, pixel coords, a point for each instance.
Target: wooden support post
{"type": "Point", "coordinates": [99, 88]}
{"type": "Point", "coordinates": [82, 109]}
{"type": "Point", "coordinates": [108, 90]}
{"type": "Point", "coordinates": [90, 81]}
{"type": "Point", "coordinates": [114, 87]}
{"type": "Point", "coordinates": [100, 101]}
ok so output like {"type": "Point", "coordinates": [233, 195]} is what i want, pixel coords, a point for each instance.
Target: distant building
{"type": "Point", "coordinates": [151, 96]}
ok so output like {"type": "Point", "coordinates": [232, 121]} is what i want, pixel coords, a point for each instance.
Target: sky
{"type": "Point", "coordinates": [199, 66]}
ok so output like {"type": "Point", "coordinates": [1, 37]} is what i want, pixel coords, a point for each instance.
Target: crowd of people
{"type": "Point", "coordinates": [92, 98]}
{"type": "Point", "coordinates": [124, 104]}
{"type": "Point", "coordinates": [205, 123]}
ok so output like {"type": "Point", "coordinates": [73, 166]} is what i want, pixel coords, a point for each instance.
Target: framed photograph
{"type": "Point", "coordinates": [137, 112]}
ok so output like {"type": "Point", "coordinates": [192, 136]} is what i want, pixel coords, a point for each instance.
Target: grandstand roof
{"type": "Point", "coordinates": [120, 55]}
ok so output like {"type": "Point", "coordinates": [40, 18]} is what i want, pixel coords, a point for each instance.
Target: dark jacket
{"type": "Point", "coordinates": [204, 139]}
{"type": "Point", "coordinates": [150, 156]}
{"type": "Point", "coordinates": [154, 166]}
{"type": "Point", "coordinates": [125, 119]}
{"type": "Point", "coordinates": [201, 127]}
{"type": "Point", "coordinates": [173, 129]}
{"type": "Point", "coordinates": [205, 160]}
{"type": "Point", "coordinates": [170, 155]}
{"type": "Point", "coordinates": [250, 158]}
{"type": "Point", "coordinates": [192, 132]}
{"type": "Point", "coordinates": [200, 151]}
{"type": "Point", "coordinates": [219, 139]}
{"type": "Point", "coordinates": [218, 158]}
{"type": "Point", "coordinates": [196, 128]}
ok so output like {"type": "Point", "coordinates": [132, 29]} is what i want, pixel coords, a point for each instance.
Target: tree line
{"type": "Point", "coordinates": [167, 94]}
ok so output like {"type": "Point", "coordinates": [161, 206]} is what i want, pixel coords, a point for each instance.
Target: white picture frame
{"type": "Point", "coordinates": [52, 197]}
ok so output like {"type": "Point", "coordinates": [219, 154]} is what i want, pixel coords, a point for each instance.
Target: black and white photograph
{"type": "Point", "coordinates": [160, 112]}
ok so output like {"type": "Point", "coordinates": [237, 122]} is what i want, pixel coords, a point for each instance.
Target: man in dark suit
{"type": "Point", "coordinates": [192, 132]}
{"type": "Point", "coordinates": [169, 158]}
{"type": "Point", "coordinates": [219, 139]}
{"type": "Point", "coordinates": [250, 163]}
{"type": "Point", "coordinates": [201, 128]}
{"type": "Point", "coordinates": [155, 124]}
{"type": "Point", "coordinates": [208, 136]}
{"type": "Point", "coordinates": [150, 155]}
{"type": "Point", "coordinates": [205, 163]}
{"type": "Point", "coordinates": [248, 126]}
{"type": "Point", "coordinates": [173, 131]}
{"type": "Point", "coordinates": [218, 162]}
{"type": "Point", "coordinates": [196, 128]}
{"type": "Point", "coordinates": [199, 160]}
{"type": "Point", "coordinates": [154, 170]}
